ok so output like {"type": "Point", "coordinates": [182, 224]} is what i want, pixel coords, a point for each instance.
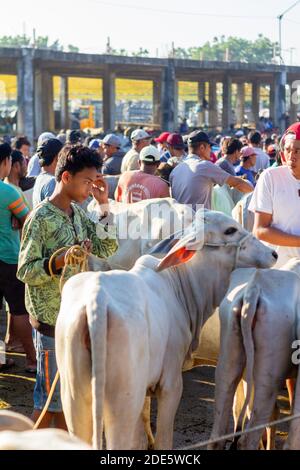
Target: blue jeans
{"type": "Point", "coordinates": [46, 371]}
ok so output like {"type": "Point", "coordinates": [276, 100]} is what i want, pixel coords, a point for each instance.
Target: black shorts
{"type": "Point", "coordinates": [12, 289]}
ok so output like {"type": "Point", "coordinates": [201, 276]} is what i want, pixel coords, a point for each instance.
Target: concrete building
{"type": "Point", "coordinates": [35, 69]}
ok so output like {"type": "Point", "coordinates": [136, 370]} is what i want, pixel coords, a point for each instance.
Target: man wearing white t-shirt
{"type": "Point", "coordinates": [276, 204]}
{"type": "Point", "coordinates": [276, 201]}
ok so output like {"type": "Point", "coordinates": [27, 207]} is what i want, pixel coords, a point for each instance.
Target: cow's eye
{"type": "Point", "coordinates": [230, 231]}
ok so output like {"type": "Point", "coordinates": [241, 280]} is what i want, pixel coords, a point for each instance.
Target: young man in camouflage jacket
{"type": "Point", "coordinates": [55, 223]}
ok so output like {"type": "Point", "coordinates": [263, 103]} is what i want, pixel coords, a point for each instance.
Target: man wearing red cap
{"type": "Point", "coordinates": [276, 200]}
{"type": "Point", "coordinates": [162, 146]}
{"type": "Point", "coordinates": [176, 149]}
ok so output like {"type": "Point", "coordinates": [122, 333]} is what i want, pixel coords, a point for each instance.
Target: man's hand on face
{"type": "Point", "coordinates": [100, 190]}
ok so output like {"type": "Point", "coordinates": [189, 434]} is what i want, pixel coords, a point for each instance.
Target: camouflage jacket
{"type": "Point", "coordinates": [47, 229]}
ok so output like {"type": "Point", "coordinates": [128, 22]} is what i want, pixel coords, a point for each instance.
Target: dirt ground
{"type": "Point", "coordinates": [193, 420]}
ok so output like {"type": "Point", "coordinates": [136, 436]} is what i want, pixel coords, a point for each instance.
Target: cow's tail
{"type": "Point", "coordinates": [249, 308]}
{"type": "Point", "coordinates": [97, 324]}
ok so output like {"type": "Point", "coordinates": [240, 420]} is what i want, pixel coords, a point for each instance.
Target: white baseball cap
{"type": "Point", "coordinates": [150, 154]}
{"type": "Point", "coordinates": [139, 134]}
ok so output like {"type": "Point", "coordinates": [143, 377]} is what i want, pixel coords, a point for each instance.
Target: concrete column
{"type": "Point", "coordinates": [43, 105]}
{"type": "Point", "coordinates": [169, 99]}
{"type": "Point", "coordinates": [25, 67]}
{"type": "Point", "coordinates": [64, 103]}
{"type": "Point", "coordinates": [201, 97]}
{"type": "Point", "coordinates": [157, 94]}
{"type": "Point", "coordinates": [255, 101]}
{"type": "Point", "coordinates": [240, 103]}
{"type": "Point", "coordinates": [278, 100]}
{"type": "Point", "coordinates": [226, 113]}
{"type": "Point", "coordinates": [212, 104]}
{"type": "Point", "coordinates": [294, 102]}
{"type": "Point", "coordinates": [109, 100]}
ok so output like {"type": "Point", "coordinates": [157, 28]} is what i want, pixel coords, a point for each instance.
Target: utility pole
{"type": "Point", "coordinates": [173, 50]}
{"type": "Point", "coordinates": [34, 37]}
{"type": "Point", "coordinates": [108, 46]}
{"type": "Point", "coordinates": [292, 49]}
{"type": "Point", "coordinates": [279, 17]}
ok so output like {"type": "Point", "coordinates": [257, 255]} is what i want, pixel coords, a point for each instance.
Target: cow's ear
{"type": "Point", "coordinates": [166, 245]}
{"type": "Point", "coordinates": [175, 257]}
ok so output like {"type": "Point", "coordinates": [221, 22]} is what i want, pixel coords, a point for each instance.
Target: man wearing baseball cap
{"type": "Point", "coordinates": [248, 160]}
{"type": "Point", "coordinates": [162, 146]}
{"type": "Point", "coordinates": [162, 139]}
{"type": "Point", "coordinates": [176, 149]}
{"type": "Point", "coordinates": [34, 167]}
{"type": "Point", "coordinates": [113, 156]}
{"type": "Point", "coordinates": [73, 136]}
{"type": "Point", "coordinates": [139, 139]}
{"type": "Point", "coordinates": [142, 184]}
{"type": "Point", "coordinates": [45, 182]}
{"type": "Point", "coordinates": [192, 181]}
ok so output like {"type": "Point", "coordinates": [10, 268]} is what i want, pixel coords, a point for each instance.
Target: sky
{"type": "Point", "coordinates": [131, 24]}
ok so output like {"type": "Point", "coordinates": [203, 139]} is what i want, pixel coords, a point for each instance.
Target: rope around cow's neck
{"type": "Point", "coordinates": [76, 256]}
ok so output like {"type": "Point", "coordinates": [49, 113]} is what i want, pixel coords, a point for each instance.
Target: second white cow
{"type": "Point", "coordinates": [258, 326]}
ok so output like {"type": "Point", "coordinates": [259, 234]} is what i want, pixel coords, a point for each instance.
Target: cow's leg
{"type": "Point", "coordinates": [126, 385]}
{"type": "Point", "coordinates": [271, 431]}
{"type": "Point", "coordinates": [229, 373]}
{"type": "Point", "coordinates": [168, 398]}
{"type": "Point", "coordinates": [293, 440]}
{"type": "Point", "coordinates": [143, 437]}
{"type": "Point", "coordinates": [272, 359]}
{"type": "Point", "coordinates": [263, 406]}
{"type": "Point", "coordinates": [74, 362]}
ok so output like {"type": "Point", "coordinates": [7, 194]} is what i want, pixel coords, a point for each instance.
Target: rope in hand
{"type": "Point", "coordinates": [76, 257]}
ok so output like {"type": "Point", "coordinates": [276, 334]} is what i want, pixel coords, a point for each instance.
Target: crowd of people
{"type": "Point", "coordinates": [42, 210]}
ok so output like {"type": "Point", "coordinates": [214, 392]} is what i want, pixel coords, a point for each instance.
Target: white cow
{"type": "Point", "coordinates": [258, 317]}
{"type": "Point", "coordinates": [293, 440]}
{"type": "Point", "coordinates": [141, 226]}
{"type": "Point", "coordinates": [11, 421]}
{"type": "Point", "coordinates": [16, 433]}
{"type": "Point", "coordinates": [143, 326]}
{"type": "Point", "coordinates": [42, 439]}
{"type": "Point", "coordinates": [242, 215]}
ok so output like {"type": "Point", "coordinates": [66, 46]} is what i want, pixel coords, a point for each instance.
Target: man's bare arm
{"type": "Point", "coordinates": [263, 231]}
{"type": "Point", "coordinates": [240, 184]}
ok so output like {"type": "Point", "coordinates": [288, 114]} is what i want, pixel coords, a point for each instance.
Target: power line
{"type": "Point", "coordinates": [176, 12]}
{"type": "Point", "coordinates": [292, 21]}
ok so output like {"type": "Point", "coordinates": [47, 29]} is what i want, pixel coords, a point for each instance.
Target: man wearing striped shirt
{"type": "Point", "coordinates": [13, 213]}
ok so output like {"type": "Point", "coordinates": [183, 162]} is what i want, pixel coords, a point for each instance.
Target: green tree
{"type": "Point", "coordinates": [14, 41]}
{"type": "Point", "coordinates": [41, 42]}
{"type": "Point", "coordinates": [141, 53]}
{"type": "Point", "coordinates": [72, 48]}
{"type": "Point", "coordinates": [261, 50]}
